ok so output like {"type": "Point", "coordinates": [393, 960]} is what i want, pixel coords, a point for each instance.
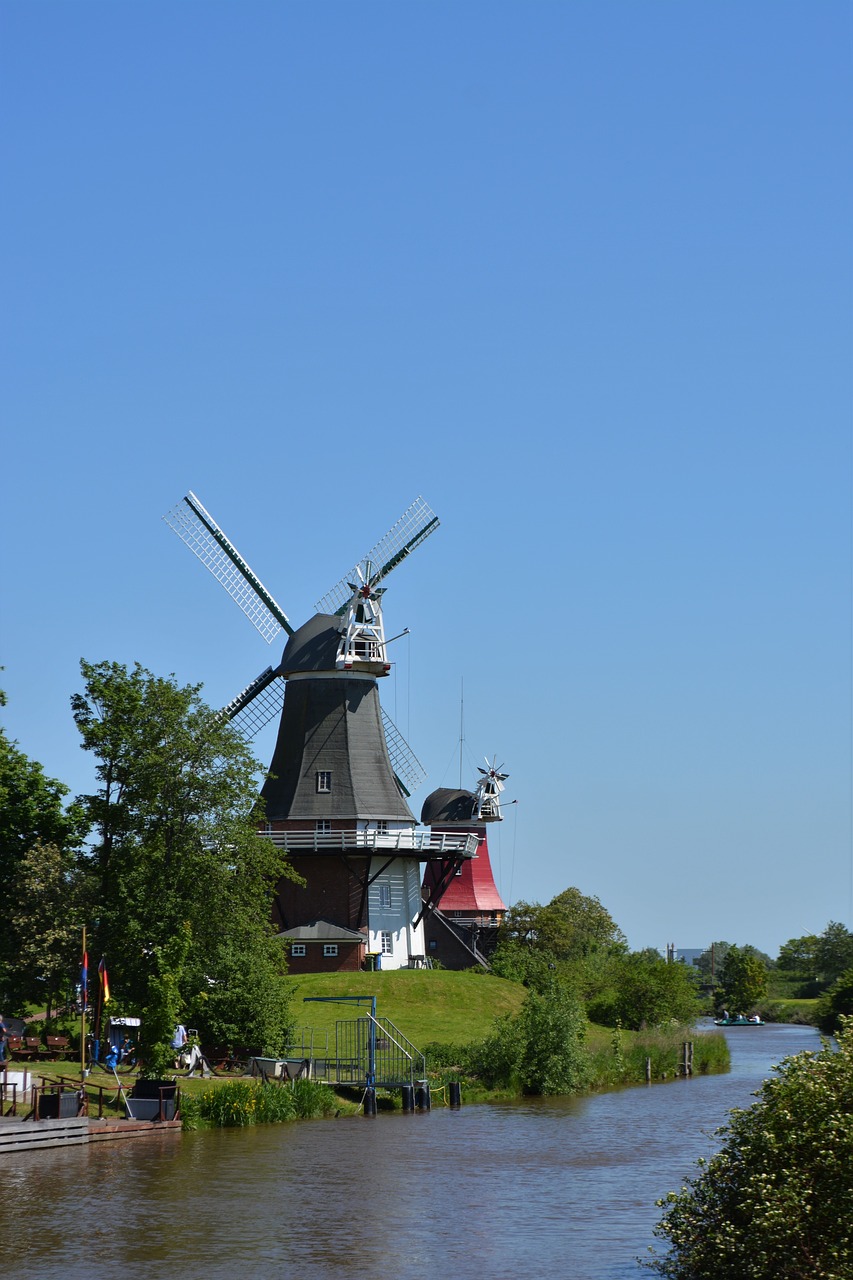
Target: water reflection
{"type": "Point", "coordinates": [565, 1186]}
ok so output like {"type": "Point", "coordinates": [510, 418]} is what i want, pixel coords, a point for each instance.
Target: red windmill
{"type": "Point", "coordinates": [462, 929]}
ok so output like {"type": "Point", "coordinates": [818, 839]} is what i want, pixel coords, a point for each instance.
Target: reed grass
{"type": "Point", "coordinates": [237, 1103]}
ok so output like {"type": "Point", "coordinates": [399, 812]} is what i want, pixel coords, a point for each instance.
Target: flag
{"type": "Point", "coordinates": [105, 982]}
{"type": "Point", "coordinates": [84, 980]}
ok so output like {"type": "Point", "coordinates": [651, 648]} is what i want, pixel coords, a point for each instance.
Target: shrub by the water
{"type": "Point", "coordinates": [775, 1202]}
{"type": "Point", "coordinates": [541, 1051]}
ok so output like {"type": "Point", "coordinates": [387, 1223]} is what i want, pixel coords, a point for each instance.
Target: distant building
{"type": "Point", "coordinates": [687, 955]}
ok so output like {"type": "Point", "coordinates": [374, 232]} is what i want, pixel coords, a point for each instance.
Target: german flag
{"type": "Point", "coordinates": [104, 980]}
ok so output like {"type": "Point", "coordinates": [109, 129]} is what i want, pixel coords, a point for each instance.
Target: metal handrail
{"type": "Point", "coordinates": [427, 843]}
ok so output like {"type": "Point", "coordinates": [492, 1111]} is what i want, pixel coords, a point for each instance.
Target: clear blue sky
{"type": "Point", "coordinates": [578, 273]}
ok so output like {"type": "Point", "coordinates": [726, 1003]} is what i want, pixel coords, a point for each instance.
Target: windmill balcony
{"type": "Point", "coordinates": [425, 844]}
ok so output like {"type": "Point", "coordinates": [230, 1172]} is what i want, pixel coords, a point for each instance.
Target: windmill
{"type": "Point", "coordinates": [468, 908]}
{"type": "Point", "coordinates": [488, 790]}
{"type": "Point", "coordinates": [336, 794]}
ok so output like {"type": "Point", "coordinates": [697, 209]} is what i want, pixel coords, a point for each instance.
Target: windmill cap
{"type": "Point", "coordinates": [314, 647]}
{"type": "Point", "coordinates": [444, 806]}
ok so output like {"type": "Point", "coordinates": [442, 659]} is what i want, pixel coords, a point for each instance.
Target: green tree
{"type": "Point", "coordinates": [33, 816]}
{"type": "Point", "coordinates": [570, 926]}
{"type": "Point", "coordinates": [572, 934]}
{"type": "Point", "coordinates": [647, 991]}
{"type": "Point", "coordinates": [834, 952]}
{"type": "Point", "coordinates": [798, 956]}
{"type": "Point", "coordinates": [797, 965]}
{"type": "Point", "coordinates": [176, 847]}
{"type": "Point", "coordinates": [774, 1203]}
{"type": "Point", "coordinates": [711, 959]}
{"type": "Point", "coordinates": [743, 980]}
{"type": "Point", "coordinates": [836, 1003]}
{"type": "Point", "coordinates": [164, 1004]}
{"type": "Point", "coordinates": [44, 916]}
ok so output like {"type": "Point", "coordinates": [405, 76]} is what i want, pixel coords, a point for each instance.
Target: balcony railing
{"type": "Point", "coordinates": [425, 844]}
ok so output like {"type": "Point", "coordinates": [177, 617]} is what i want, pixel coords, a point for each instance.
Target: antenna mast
{"type": "Point", "coordinates": [461, 724]}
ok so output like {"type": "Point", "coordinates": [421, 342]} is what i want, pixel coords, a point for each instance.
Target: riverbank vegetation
{"type": "Point", "coordinates": [596, 1059]}
{"type": "Point", "coordinates": [237, 1103]}
{"type": "Point", "coordinates": [775, 1201]}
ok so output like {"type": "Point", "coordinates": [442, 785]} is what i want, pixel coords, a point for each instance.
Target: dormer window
{"type": "Point", "coordinates": [324, 781]}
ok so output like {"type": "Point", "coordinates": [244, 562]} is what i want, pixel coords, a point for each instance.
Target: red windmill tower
{"type": "Point", "coordinates": [462, 928]}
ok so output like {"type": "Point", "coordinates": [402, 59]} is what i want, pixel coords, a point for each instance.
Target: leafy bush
{"type": "Point", "coordinates": [646, 991]}
{"type": "Point", "coordinates": [541, 1051]}
{"type": "Point", "coordinates": [775, 1202]}
{"type": "Point", "coordinates": [836, 1003]}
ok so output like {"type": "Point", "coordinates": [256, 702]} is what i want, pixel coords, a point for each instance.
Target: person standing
{"type": "Point", "coordinates": [4, 1038]}
{"type": "Point", "coordinates": [179, 1039]}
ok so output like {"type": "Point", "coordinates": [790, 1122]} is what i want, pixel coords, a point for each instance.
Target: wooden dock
{"type": "Point", "coordinates": [41, 1135]}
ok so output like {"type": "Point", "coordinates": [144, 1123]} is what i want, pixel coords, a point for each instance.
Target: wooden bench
{"type": "Point", "coordinates": [31, 1050]}
{"type": "Point", "coordinates": [14, 1045]}
{"type": "Point", "coordinates": [57, 1047]}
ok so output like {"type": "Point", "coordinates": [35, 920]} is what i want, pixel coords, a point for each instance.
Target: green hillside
{"type": "Point", "coordinates": [426, 1004]}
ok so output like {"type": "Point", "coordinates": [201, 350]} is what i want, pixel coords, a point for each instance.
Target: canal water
{"type": "Point", "coordinates": [560, 1187]}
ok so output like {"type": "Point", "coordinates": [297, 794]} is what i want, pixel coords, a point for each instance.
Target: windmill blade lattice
{"type": "Point", "coordinates": [205, 539]}
{"type": "Point", "coordinates": [258, 704]}
{"type": "Point", "coordinates": [407, 767]}
{"type": "Point", "coordinates": [415, 525]}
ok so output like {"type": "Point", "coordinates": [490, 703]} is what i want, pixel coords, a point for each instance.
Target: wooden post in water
{"type": "Point", "coordinates": [648, 1070]}
{"type": "Point", "coordinates": [687, 1057]}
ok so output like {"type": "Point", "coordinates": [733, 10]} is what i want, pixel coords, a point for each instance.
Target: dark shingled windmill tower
{"type": "Point", "coordinates": [335, 798]}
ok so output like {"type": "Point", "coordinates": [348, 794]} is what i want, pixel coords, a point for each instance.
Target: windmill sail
{"type": "Point", "coordinates": [414, 526]}
{"type": "Point", "coordinates": [407, 767]}
{"type": "Point", "coordinates": [202, 534]}
{"type": "Point", "coordinates": [260, 702]}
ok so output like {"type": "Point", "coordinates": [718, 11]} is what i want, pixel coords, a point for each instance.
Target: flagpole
{"type": "Point", "coordinates": [83, 994]}
{"type": "Point", "coordinates": [98, 1011]}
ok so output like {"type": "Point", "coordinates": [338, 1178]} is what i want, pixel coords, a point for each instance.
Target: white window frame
{"type": "Point", "coordinates": [323, 827]}
{"type": "Point", "coordinates": [297, 948]}
{"type": "Point", "coordinates": [324, 781]}
{"type": "Point", "coordinates": [330, 949]}
{"type": "Point", "coordinates": [382, 827]}
{"type": "Point", "coordinates": [386, 942]}
{"type": "Point", "coordinates": [384, 891]}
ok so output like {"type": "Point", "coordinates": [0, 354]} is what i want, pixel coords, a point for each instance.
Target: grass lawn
{"type": "Point", "coordinates": [425, 1004]}
{"type": "Point", "coordinates": [803, 1011]}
